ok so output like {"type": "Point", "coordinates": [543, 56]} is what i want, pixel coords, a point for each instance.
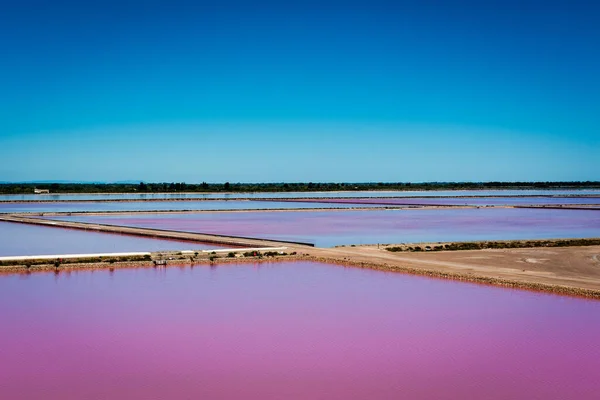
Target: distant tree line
{"type": "Point", "coordinates": [174, 187]}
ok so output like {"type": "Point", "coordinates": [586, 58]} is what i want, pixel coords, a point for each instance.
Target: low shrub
{"type": "Point", "coordinates": [394, 249]}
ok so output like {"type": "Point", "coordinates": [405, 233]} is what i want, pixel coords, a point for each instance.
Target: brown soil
{"type": "Point", "coordinates": [571, 267]}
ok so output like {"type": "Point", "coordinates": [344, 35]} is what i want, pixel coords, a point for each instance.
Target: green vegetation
{"type": "Point", "coordinates": [274, 254]}
{"type": "Point", "coordinates": [63, 261]}
{"type": "Point", "coordinates": [266, 254]}
{"type": "Point", "coordinates": [144, 187]}
{"type": "Point", "coordinates": [512, 244]}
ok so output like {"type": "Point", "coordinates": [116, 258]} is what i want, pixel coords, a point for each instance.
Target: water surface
{"type": "Point", "coordinates": [29, 240]}
{"type": "Point", "coordinates": [465, 201]}
{"type": "Point", "coordinates": [289, 331]}
{"type": "Point", "coordinates": [74, 206]}
{"type": "Point", "coordinates": [330, 228]}
{"type": "Point", "coordinates": [357, 193]}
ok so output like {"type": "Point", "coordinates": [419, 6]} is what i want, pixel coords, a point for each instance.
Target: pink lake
{"type": "Point", "coordinates": [330, 228]}
{"type": "Point", "coordinates": [33, 240]}
{"type": "Point", "coordinates": [289, 331]}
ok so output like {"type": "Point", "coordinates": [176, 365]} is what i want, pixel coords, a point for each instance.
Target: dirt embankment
{"type": "Point", "coordinates": [572, 271]}
{"type": "Point", "coordinates": [493, 244]}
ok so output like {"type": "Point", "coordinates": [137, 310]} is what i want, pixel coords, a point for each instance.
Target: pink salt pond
{"type": "Point", "coordinates": [33, 240]}
{"type": "Point", "coordinates": [464, 201]}
{"type": "Point", "coordinates": [330, 228]}
{"type": "Point", "coordinates": [289, 331]}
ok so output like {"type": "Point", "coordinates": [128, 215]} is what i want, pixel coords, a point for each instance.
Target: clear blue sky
{"type": "Point", "coordinates": [253, 91]}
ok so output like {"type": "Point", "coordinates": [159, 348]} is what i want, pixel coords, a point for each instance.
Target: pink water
{"type": "Point", "coordinates": [28, 240]}
{"type": "Point", "coordinates": [289, 331]}
{"type": "Point", "coordinates": [330, 228]}
{"type": "Point", "coordinates": [460, 201]}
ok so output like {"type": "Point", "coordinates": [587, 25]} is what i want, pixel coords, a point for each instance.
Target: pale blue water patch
{"type": "Point", "coordinates": [73, 206]}
{"type": "Point", "coordinates": [327, 228]}
{"type": "Point", "coordinates": [26, 240]}
{"type": "Point", "coordinates": [390, 193]}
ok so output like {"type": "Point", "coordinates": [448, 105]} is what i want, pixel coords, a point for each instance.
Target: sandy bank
{"type": "Point", "coordinates": [548, 269]}
{"type": "Point", "coordinates": [541, 271]}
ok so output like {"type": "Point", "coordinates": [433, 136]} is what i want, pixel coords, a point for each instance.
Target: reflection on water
{"type": "Point", "coordinates": [289, 331]}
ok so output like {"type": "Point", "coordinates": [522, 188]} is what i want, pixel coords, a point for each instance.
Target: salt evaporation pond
{"type": "Point", "coordinates": [27, 240]}
{"type": "Point", "coordinates": [74, 206]}
{"type": "Point", "coordinates": [330, 228]}
{"type": "Point", "coordinates": [464, 201]}
{"type": "Point", "coordinates": [356, 193]}
{"type": "Point", "coordinates": [289, 331]}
